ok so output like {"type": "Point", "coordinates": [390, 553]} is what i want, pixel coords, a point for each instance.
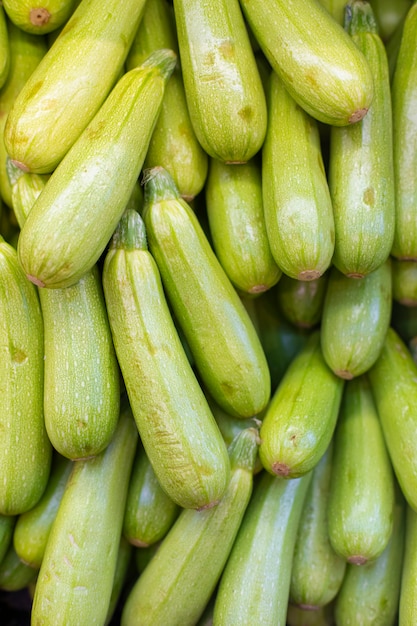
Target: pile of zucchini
{"type": "Point", "coordinates": [208, 311]}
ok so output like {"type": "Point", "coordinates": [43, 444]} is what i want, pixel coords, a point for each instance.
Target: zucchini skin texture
{"type": "Point", "coordinates": [81, 390]}
{"type": "Point", "coordinates": [75, 580]}
{"type": "Point", "coordinates": [394, 386]}
{"type": "Point", "coordinates": [178, 582]}
{"type": "Point", "coordinates": [73, 219]}
{"type": "Point", "coordinates": [296, 197]}
{"type": "Point", "coordinates": [26, 451]}
{"type": "Point", "coordinates": [70, 84]}
{"type": "Point", "coordinates": [300, 420]}
{"type": "Point", "coordinates": [223, 88]}
{"type": "Point", "coordinates": [321, 67]}
{"type": "Point", "coordinates": [223, 341]}
{"type": "Point", "coordinates": [404, 95]}
{"type": "Point", "coordinates": [361, 499]}
{"type": "Point", "coordinates": [39, 19]}
{"type": "Point", "coordinates": [254, 587]}
{"type": "Point", "coordinates": [355, 320]}
{"type": "Point", "coordinates": [177, 428]}
{"type": "Point", "coordinates": [361, 167]}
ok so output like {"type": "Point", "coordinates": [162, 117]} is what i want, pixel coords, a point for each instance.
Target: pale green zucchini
{"type": "Point", "coordinates": [297, 205]}
{"type": "Point", "coordinates": [336, 8]}
{"type": "Point", "coordinates": [321, 67]}
{"type": "Point", "coordinates": [177, 428]}
{"type": "Point", "coordinates": [254, 587]}
{"type": "Point", "coordinates": [73, 219]}
{"type": "Point", "coordinates": [75, 581]}
{"type": "Point", "coordinates": [301, 301]}
{"type": "Point", "coordinates": [39, 16]}
{"type": "Point", "coordinates": [223, 341]}
{"type": "Point", "coordinates": [300, 420]}
{"type": "Point", "coordinates": [26, 451]}
{"type": "Point", "coordinates": [178, 582]}
{"type": "Point", "coordinates": [70, 84]}
{"type": "Point", "coordinates": [361, 498]}
{"type": "Point", "coordinates": [361, 170]}
{"type": "Point", "coordinates": [223, 88]}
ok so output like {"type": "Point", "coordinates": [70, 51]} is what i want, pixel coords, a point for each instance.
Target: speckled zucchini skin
{"type": "Point", "coordinates": [39, 17]}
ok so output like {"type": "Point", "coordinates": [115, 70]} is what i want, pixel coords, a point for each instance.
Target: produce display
{"type": "Point", "coordinates": [208, 313]}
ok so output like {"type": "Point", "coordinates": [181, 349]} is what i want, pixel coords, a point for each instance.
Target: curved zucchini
{"type": "Point", "coordinates": [254, 587]}
{"type": "Point", "coordinates": [33, 527]}
{"type": "Point", "coordinates": [223, 88]}
{"type": "Point", "coordinates": [26, 451]}
{"type": "Point", "coordinates": [237, 225]}
{"type": "Point", "coordinates": [317, 571]}
{"type": "Point", "coordinates": [14, 574]}
{"type": "Point", "coordinates": [297, 205]}
{"type": "Point", "coordinates": [150, 512]}
{"type": "Point", "coordinates": [356, 316]}
{"type": "Point", "coordinates": [300, 420]}
{"type": "Point", "coordinates": [320, 66]}
{"type": "Point", "coordinates": [361, 498]}
{"type": "Point", "coordinates": [73, 219]}
{"type": "Point", "coordinates": [394, 386]}
{"type": "Point", "coordinates": [39, 17]}
{"type": "Point", "coordinates": [361, 170]}
{"type": "Point", "coordinates": [404, 94]}
{"type": "Point", "coordinates": [221, 336]}
{"type": "Point", "coordinates": [404, 282]}
{"type": "Point", "coordinates": [75, 580]}
{"type": "Point", "coordinates": [71, 83]}
{"type": "Point", "coordinates": [178, 582]}
{"type": "Point", "coordinates": [301, 301]}
{"type": "Point", "coordinates": [177, 428]}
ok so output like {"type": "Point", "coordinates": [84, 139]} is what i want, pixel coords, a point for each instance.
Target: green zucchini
{"type": "Point", "coordinates": [321, 67]}
{"type": "Point", "coordinates": [356, 316]}
{"type": "Point", "coordinates": [404, 282]}
{"type": "Point", "coordinates": [254, 587]}
{"type": "Point", "coordinates": [394, 386]}
{"type": "Point", "coordinates": [156, 30]}
{"type": "Point", "coordinates": [121, 577]}
{"type": "Point", "coordinates": [25, 189]}
{"type": "Point", "coordinates": [223, 341]}
{"type": "Point", "coordinates": [177, 428]}
{"type": "Point", "coordinates": [14, 574]}
{"type": "Point", "coordinates": [404, 93]}
{"type": "Point", "coordinates": [223, 88]}
{"type": "Point", "coordinates": [300, 420]}
{"type": "Point", "coordinates": [297, 205]}
{"type": "Point", "coordinates": [5, 52]}
{"type": "Point", "coordinates": [336, 8]}
{"type": "Point", "coordinates": [370, 594]}
{"type": "Point", "coordinates": [39, 16]}
{"type": "Point", "coordinates": [297, 616]}
{"type": "Point", "coordinates": [73, 219]}
{"type": "Point", "coordinates": [178, 582]}
{"type": "Point", "coordinates": [317, 571]}
{"type": "Point", "coordinates": [408, 592]}
{"type": "Point", "coordinates": [361, 170]}
{"type": "Point", "coordinates": [26, 51]}
{"type": "Point", "coordinates": [32, 528]}
{"type": "Point", "coordinates": [69, 86]}
{"type": "Point", "coordinates": [26, 451]}
{"type": "Point", "coordinates": [7, 524]}
{"type": "Point", "coordinates": [361, 498]}
{"type": "Point", "coordinates": [301, 301]}
{"type": "Point", "coordinates": [75, 580]}
{"type": "Point", "coordinates": [150, 512]}
{"type": "Point", "coordinates": [237, 225]}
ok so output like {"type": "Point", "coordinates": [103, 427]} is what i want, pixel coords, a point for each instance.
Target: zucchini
{"type": "Point", "coordinates": [300, 420]}
{"type": "Point", "coordinates": [237, 226]}
{"type": "Point", "coordinates": [178, 582]}
{"type": "Point", "coordinates": [177, 428]}
{"type": "Point", "coordinates": [73, 219]}
{"type": "Point", "coordinates": [361, 169]}
{"type": "Point", "coordinates": [355, 320]}
{"type": "Point", "coordinates": [75, 580]}
{"type": "Point", "coordinates": [317, 571]}
{"type": "Point", "coordinates": [389, 15]}
{"type": "Point", "coordinates": [7, 524]}
{"type": "Point", "coordinates": [14, 574]}
{"type": "Point", "coordinates": [320, 66]}
{"type": "Point", "coordinates": [394, 386]}
{"type": "Point", "coordinates": [404, 94]}
{"type": "Point", "coordinates": [69, 86]}
{"type": "Point", "coordinates": [26, 451]}
{"type": "Point", "coordinates": [5, 52]}
{"type": "Point", "coordinates": [121, 577]}
{"type": "Point", "coordinates": [223, 341]}
{"type": "Point", "coordinates": [301, 301]}
{"type": "Point", "coordinates": [361, 498]}
{"type": "Point", "coordinates": [404, 282]}
{"type": "Point", "coordinates": [39, 17]}
{"type": "Point", "coordinates": [254, 587]}
{"type": "Point", "coordinates": [297, 205]}
{"type": "Point", "coordinates": [223, 88]}
{"type": "Point", "coordinates": [336, 8]}
{"type": "Point", "coordinates": [408, 592]}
